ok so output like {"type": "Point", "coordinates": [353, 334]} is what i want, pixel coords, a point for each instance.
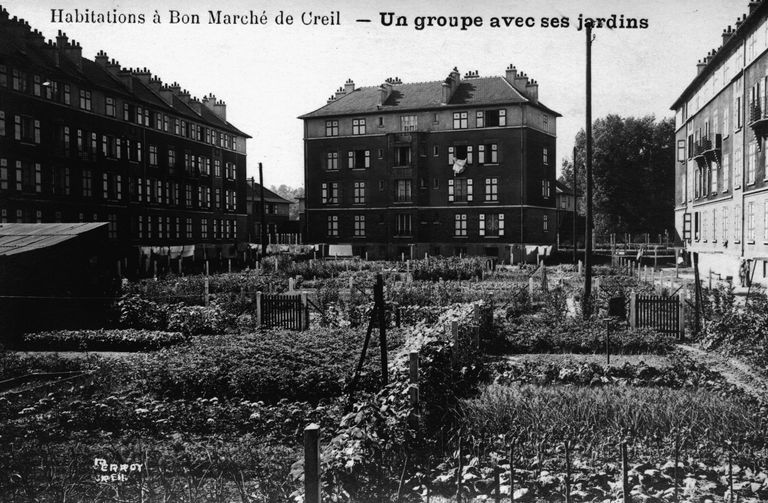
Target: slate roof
{"type": "Point", "coordinates": [425, 95]}
{"type": "Point", "coordinates": [21, 238]}
{"type": "Point", "coordinates": [22, 46]}
{"type": "Point", "coordinates": [254, 193]}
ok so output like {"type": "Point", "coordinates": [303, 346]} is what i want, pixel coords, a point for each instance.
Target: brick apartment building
{"type": "Point", "coordinates": [721, 202]}
{"type": "Point", "coordinates": [462, 165]}
{"type": "Point", "coordinates": [87, 140]}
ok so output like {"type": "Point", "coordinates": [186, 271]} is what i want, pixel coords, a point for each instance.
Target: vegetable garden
{"type": "Point", "coordinates": [515, 395]}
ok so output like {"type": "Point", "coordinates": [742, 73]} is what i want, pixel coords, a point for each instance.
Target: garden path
{"type": "Point", "coordinates": [734, 370]}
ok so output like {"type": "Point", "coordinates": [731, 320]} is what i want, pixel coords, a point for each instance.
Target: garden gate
{"type": "Point", "coordinates": [289, 311]}
{"type": "Point", "coordinates": [662, 313]}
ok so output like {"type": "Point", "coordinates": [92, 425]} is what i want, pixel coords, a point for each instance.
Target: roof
{"type": "Point", "coordinates": [425, 95]}
{"type": "Point", "coordinates": [255, 189]}
{"type": "Point", "coordinates": [563, 188]}
{"type": "Point", "coordinates": [742, 30]}
{"type": "Point", "coordinates": [27, 48]}
{"type": "Point", "coordinates": [21, 238]}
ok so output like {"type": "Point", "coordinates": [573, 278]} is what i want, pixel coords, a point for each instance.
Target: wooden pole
{"type": "Point", "coordinates": [414, 378]}
{"type": "Point", "coordinates": [258, 310]}
{"type": "Point", "coordinates": [633, 309]}
{"type": "Point", "coordinates": [312, 464]}
{"type": "Point", "coordinates": [681, 318]}
{"type": "Point", "coordinates": [379, 298]}
{"type": "Point", "coordinates": [567, 471]}
{"type": "Point", "coordinates": [304, 311]}
{"type": "Point", "coordinates": [206, 289]}
{"type": "Point", "coordinates": [625, 474]}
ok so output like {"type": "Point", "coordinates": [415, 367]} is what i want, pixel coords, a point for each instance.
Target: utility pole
{"type": "Point", "coordinates": [575, 213]}
{"type": "Point", "coordinates": [263, 215]}
{"type": "Point", "coordinates": [587, 301]}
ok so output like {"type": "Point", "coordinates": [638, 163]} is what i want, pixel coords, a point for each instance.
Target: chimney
{"type": "Point", "coordinates": [753, 5]}
{"type": "Point", "coordinates": [700, 66]}
{"type": "Point", "coordinates": [727, 34]}
{"type": "Point", "coordinates": [332, 99]}
{"type": "Point", "coordinates": [155, 84]}
{"type": "Point", "coordinates": [195, 105]}
{"type": "Point", "coordinates": [220, 109]}
{"type": "Point", "coordinates": [124, 74]}
{"type": "Point", "coordinates": [349, 86]}
{"type": "Point", "coordinates": [3, 14]}
{"type": "Point", "coordinates": [740, 21]}
{"type": "Point", "coordinates": [340, 92]}
{"type": "Point", "coordinates": [520, 83]}
{"type": "Point", "coordinates": [511, 73]}
{"type": "Point", "coordinates": [184, 95]}
{"type": "Point", "coordinates": [53, 52]}
{"type": "Point", "coordinates": [101, 59]}
{"type": "Point", "coordinates": [209, 100]}
{"type": "Point", "coordinates": [165, 93]}
{"type": "Point", "coordinates": [472, 74]}
{"type": "Point", "coordinates": [36, 38]}
{"type": "Point", "coordinates": [450, 85]}
{"type": "Point", "coordinates": [532, 91]}
{"type": "Point", "coordinates": [61, 39]}
{"type": "Point", "coordinates": [143, 75]}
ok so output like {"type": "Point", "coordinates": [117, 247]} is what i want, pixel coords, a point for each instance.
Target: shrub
{"type": "Point", "coordinates": [199, 320]}
{"type": "Point", "coordinates": [102, 340]}
{"type": "Point", "coordinates": [136, 312]}
{"type": "Point", "coordinates": [448, 268]}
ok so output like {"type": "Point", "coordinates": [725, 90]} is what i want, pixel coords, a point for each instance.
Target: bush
{"type": "Point", "coordinates": [102, 340]}
{"type": "Point", "coordinates": [136, 312]}
{"type": "Point", "coordinates": [448, 268]}
{"type": "Point", "coordinates": [199, 320]}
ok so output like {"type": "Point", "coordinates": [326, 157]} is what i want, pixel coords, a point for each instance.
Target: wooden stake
{"type": "Point", "coordinates": [312, 464]}
{"type": "Point", "coordinates": [625, 474]}
{"type": "Point", "coordinates": [258, 309]}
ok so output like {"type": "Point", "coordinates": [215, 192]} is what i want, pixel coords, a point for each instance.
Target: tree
{"type": "Point", "coordinates": [633, 172]}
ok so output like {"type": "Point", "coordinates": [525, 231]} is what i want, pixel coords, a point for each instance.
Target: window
{"type": "Point", "coordinates": [737, 223]}
{"type": "Point", "coordinates": [545, 157]}
{"type": "Point", "coordinates": [87, 183]}
{"type": "Point", "coordinates": [171, 158]}
{"type": "Point", "coordinates": [359, 159]}
{"type": "Point", "coordinates": [402, 156]}
{"type": "Point", "coordinates": [491, 224]}
{"type": "Point", "coordinates": [435, 183]}
{"type": "Point", "coordinates": [188, 195]}
{"type": "Point", "coordinates": [109, 107]}
{"type": "Point", "coordinates": [492, 189]}
{"type": "Point", "coordinates": [751, 162]}
{"type": "Point", "coordinates": [332, 161]}
{"type": "Point", "coordinates": [358, 126]}
{"type": "Point", "coordinates": [331, 128]}
{"type": "Point", "coordinates": [19, 186]}
{"type": "Point", "coordinates": [724, 225]}
{"type": "Point", "coordinates": [403, 191]}
{"type": "Point", "coordinates": [714, 225]}
{"type": "Point", "coordinates": [67, 94]}
{"type": "Point", "coordinates": [681, 150]}
{"type": "Point", "coordinates": [751, 221]}
{"type": "Point", "coordinates": [403, 224]}
{"type": "Point", "coordinates": [3, 76]}
{"type": "Point", "coordinates": [408, 123]}
{"type": "Point", "coordinates": [20, 82]}
{"type": "Point", "coordinates": [488, 153]}
{"type": "Point", "coordinates": [459, 190]}
{"type": "Point", "coordinates": [85, 100]}
{"type": "Point", "coordinates": [461, 153]}
{"type": "Point", "coordinates": [153, 155]}
{"type": "Point", "coordinates": [3, 174]}
{"type": "Point", "coordinates": [26, 129]}
{"type": "Point", "coordinates": [359, 193]}
{"type": "Point", "coordinates": [460, 226]}
{"type": "Point", "coordinates": [330, 193]}
{"type": "Point", "coordinates": [204, 228]}
{"type": "Point", "coordinates": [739, 113]}
{"type": "Point", "coordinates": [460, 120]}
{"type": "Point", "coordinates": [189, 228]}
{"type": "Point", "coordinates": [491, 118]}
{"type": "Point", "coordinates": [545, 189]}
{"type": "Point", "coordinates": [105, 185]}
{"type": "Point", "coordinates": [738, 164]}
{"type": "Point", "coordinates": [333, 226]}
{"type": "Point", "coordinates": [713, 178]}
{"type": "Point", "coordinates": [119, 187]}
{"type": "Point", "coordinates": [359, 226]}
{"type": "Point", "coordinates": [545, 223]}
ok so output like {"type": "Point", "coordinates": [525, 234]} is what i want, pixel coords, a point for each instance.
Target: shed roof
{"type": "Point", "coordinates": [21, 238]}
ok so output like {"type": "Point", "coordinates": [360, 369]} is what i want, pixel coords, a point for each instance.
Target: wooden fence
{"type": "Point", "coordinates": [663, 313]}
{"type": "Point", "coordinates": [289, 311]}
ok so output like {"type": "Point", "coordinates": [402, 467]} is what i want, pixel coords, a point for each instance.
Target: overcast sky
{"type": "Point", "coordinates": [270, 74]}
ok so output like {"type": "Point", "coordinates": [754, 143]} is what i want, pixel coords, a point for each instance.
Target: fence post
{"type": "Point", "coordinates": [681, 318]}
{"type": "Point", "coordinates": [455, 336]}
{"type": "Point", "coordinates": [633, 309]}
{"type": "Point", "coordinates": [292, 284]}
{"type": "Point", "coordinates": [624, 474]}
{"type": "Point", "coordinates": [530, 287]}
{"type": "Point", "coordinates": [312, 464]}
{"type": "Point", "coordinates": [206, 289]}
{"type": "Point", "coordinates": [258, 310]}
{"type": "Point", "coordinates": [414, 378]}
{"type": "Point", "coordinates": [579, 268]}
{"type": "Point", "coordinates": [304, 316]}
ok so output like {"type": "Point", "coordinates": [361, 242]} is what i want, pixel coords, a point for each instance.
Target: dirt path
{"type": "Point", "coordinates": [735, 371]}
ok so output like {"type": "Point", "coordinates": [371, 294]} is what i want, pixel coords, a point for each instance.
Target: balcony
{"type": "Point", "coordinates": [758, 120]}
{"type": "Point", "coordinates": [708, 150]}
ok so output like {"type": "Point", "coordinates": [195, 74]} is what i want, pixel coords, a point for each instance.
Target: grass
{"type": "Point", "coordinates": [561, 359]}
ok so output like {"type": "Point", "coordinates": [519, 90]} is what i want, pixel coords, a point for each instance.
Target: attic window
{"type": "Point", "coordinates": [491, 118]}
{"type": "Point", "coordinates": [408, 123]}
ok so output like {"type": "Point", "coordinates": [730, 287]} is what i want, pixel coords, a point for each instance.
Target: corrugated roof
{"type": "Point", "coordinates": [421, 95]}
{"type": "Point", "coordinates": [21, 238]}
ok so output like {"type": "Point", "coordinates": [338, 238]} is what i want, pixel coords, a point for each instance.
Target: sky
{"type": "Point", "coordinates": [270, 73]}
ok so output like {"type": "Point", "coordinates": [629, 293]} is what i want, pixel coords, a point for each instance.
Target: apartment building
{"type": "Point", "coordinates": [87, 140]}
{"type": "Point", "coordinates": [448, 167]}
{"type": "Point", "coordinates": [721, 191]}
